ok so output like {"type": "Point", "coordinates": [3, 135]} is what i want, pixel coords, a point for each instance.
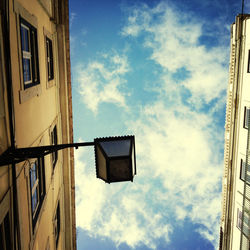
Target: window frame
{"type": "Point", "coordinates": [50, 58]}
{"type": "Point", "coordinates": [57, 223]}
{"type": "Point", "coordinates": [37, 186]}
{"type": "Point", "coordinates": [31, 55]}
{"type": "Point", "coordinates": [6, 216]}
{"type": "Point", "coordinates": [54, 141]}
{"type": "Point", "coordinates": [243, 225]}
{"type": "Point", "coordinates": [25, 94]}
{"type": "Point", "coordinates": [248, 64]}
{"type": "Point", "coordinates": [5, 233]}
{"type": "Point", "coordinates": [243, 171]}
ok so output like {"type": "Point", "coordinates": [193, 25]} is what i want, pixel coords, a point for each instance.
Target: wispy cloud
{"type": "Point", "coordinates": [174, 38]}
{"type": "Point", "coordinates": [101, 81]}
{"type": "Point", "coordinates": [72, 18]}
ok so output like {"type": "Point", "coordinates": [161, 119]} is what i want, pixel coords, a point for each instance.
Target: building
{"type": "Point", "coordinates": [37, 196]}
{"type": "Point", "coordinates": [235, 218]}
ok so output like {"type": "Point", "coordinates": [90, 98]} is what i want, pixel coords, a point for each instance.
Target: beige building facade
{"type": "Point", "coordinates": [235, 218]}
{"type": "Point", "coordinates": [37, 196]}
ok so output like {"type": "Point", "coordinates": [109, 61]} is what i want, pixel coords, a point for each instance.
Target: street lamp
{"type": "Point", "coordinates": [114, 156]}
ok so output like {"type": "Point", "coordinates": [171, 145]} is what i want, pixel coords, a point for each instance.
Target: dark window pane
{"type": "Point", "coordinates": [246, 117]}
{"type": "Point", "coordinates": [34, 56]}
{"type": "Point", "coordinates": [54, 142]}
{"type": "Point", "coordinates": [57, 223]}
{"type": "Point", "coordinates": [1, 237]}
{"type": "Point", "coordinates": [33, 174]}
{"type": "Point", "coordinates": [248, 66]}
{"type": "Point", "coordinates": [50, 59]}
{"type": "Point", "coordinates": [34, 201]}
{"type": "Point", "coordinates": [7, 232]}
{"type": "Point", "coordinates": [26, 70]}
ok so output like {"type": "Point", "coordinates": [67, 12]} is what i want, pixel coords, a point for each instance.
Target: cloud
{"type": "Point", "coordinates": [101, 81]}
{"type": "Point", "coordinates": [177, 146]}
{"type": "Point", "coordinates": [178, 139]}
{"type": "Point", "coordinates": [174, 38]}
{"type": "Point", "coordinates": [117, 211]}
{"type": "Point", "coordinates": [179, 177]}
{"type": "Point", "coordinates": [72, 18]}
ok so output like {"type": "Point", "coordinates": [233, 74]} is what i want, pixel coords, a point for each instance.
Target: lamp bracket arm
{"type": "Point", "coordinates": [16, 155]}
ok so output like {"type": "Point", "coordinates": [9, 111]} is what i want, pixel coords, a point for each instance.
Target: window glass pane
{"type": "Point", "coordinates": [57, 223]}
{"type": "Point", "coordinates": [242, 170]}
{"type": "Point", "coordinates": [239, 218]}
{"type": "Point", "coordinates": [7, 232]}
{"type": "Point", "coordinates": [247, 115]}
{"type": "Point", "coordinates": [54, 155]}
{"type": "Point", "coordinates": [50, 58]}
{"type": "Point", "coordinates": [33, 175]}
{"type": "Point", "coordinates": [248, 66]}
{"type": "Point", "coordinates": [34, 201]}
{"type": "Point", "coordinates": [41, 179]}
{"type": "Point", "coordinates": [25, 38]}
{"type": "Point", "coordinates": [26, 70]}
{"type": "Point", "coordinates": [34, 54]}
{"type": "Point", "coordinates": [1, 237]}
{"type": "Point", "coordinates": [245, 176]}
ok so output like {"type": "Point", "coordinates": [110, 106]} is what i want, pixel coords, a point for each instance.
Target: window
{"type": "Point", "coordinates": [239, 218]}
{"type": "Point", "coordinates": [244, 173]}
{"type": "Point", "coordinates": [29, 54]}
{"type": "Point", "coordinates": [50, 65]}
{"type": "Point", "coordinates": [57, 223]}
{"type": "Point", "coordinates": [245, 223]}
{"type": "Point", "coordinates": [248, 65]}
{"type": "Point", "coordinates": [54, 155]}
{"type": "Point", "coordinates": [5, 235]}
{"type": "Point", "coordinates": [37, 188]}
{"type": "Point", "coordinates": [246, 116]}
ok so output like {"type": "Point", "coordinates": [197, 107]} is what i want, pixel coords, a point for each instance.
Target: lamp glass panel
{"type": "Point", "coordinates": [133, 160]}
{"type": "Point", "coordinates": [120, 170]}
{"type": "Point", "coordinates": [102, 168]}
{"type": "Point", "coordinates": [116, 148]}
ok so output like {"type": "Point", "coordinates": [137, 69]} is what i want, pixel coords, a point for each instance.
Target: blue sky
{"type": "Point", "coordinates": [157, 70]}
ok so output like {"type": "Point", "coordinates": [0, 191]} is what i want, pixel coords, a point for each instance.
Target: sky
{"type": "Point", "coordinates": [157, 70]}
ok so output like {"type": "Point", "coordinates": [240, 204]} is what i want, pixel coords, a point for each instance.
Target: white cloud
{"type": "Point", "coordinates": [101, 81]}
{"type": "Point", "coordinates": [72, 18]}
{"type": "Point", "coordinates": [174, 37]}
{"type": "Point", "coordinates": [177, 147]}
{"type": "Point", "coordinates": [117, 211]}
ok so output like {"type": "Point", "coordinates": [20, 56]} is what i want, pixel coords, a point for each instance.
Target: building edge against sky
{"type": "Point", "coordinates": [37, 197]}
{"type": "Point", "coordinates": [235, 218]}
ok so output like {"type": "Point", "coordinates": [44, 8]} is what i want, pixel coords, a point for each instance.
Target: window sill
{"type": "Point", "coordinates": [51, 83]}
{"type": "Point", "coordinates": [27, 94]}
